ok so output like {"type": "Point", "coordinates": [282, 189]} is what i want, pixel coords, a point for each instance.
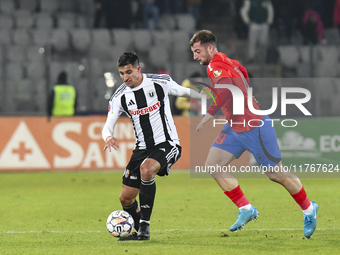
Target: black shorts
{"type": "Point", "coordinates": [166, 155]}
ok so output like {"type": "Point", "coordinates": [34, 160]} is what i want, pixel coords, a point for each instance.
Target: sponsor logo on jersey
{"type": "Point", "coordinates": [146, 110]}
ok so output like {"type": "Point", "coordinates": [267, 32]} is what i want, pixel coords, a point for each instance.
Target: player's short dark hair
{"type": "Point", "coordinates": [128, 58]}
{"type": "Point", "coordinates": [204, 37]}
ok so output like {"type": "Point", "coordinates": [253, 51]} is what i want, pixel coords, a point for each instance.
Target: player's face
{"type": "Point", "coordinates": [131, 75]}
{"type": "Point", "coordinates": [201, 53]}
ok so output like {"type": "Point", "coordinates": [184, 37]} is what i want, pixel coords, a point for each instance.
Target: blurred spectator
{"type": "Point", "coordinates": [240, 28]}
{"type": "Point", "coordinates": [117, 14]}
{"type": "Point", "coordinates": [194, 8]}
{"type": "Point", "coordinates": [99, 13]}
{"type": "Point", "coordinates": [258, 15]}
{"type": "Point", "coordinates": [288, 14]}
{"type": "Point", "coordinates": [150, 9]}
{"type": "Point", "coordinates": [186, 105]}
{"type": "Point", "coordinates": [62, 99]}
{"type": "Point", "coordinates": [170, 6]}
{"type": "Point", "coordinates": [327, 17]}
{"type": "Point", "coordinates": [316, 5]}
{"type": "Point", "coordinates": [312, 27]}
{"type": "Point", "coordinates": [336, 17]}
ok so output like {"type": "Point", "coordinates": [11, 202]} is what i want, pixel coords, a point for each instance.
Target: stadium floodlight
{"type": "Point", "coordinates": [109, 79]}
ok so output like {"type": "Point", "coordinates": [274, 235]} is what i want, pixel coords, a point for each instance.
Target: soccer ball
{"type": "Point", "coordinates": [120, 223]}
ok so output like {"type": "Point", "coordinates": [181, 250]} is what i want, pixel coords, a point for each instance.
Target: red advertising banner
{"type": "Point", "coordinates": [71, 143]}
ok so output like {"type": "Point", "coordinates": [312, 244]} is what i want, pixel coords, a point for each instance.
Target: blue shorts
{"type": "Point", "coordinates": [260, 141]}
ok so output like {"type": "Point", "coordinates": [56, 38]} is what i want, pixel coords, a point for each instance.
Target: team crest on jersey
{"type": "Point", "coordinates": [151, 93]}
{"type": "Point", "coordinates": [217, 73]}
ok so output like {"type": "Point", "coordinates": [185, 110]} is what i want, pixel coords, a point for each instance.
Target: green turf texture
{"type": "Point", "coordinates": [66, 212]}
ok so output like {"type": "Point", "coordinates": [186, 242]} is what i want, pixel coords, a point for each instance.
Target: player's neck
{"type": "Point", "coordinates": [212, 55]}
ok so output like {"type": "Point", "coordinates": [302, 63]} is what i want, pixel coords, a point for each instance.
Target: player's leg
{"type": "Point", "coordinates": [130, 190]}
{"type": "Point", "coordinates": [219, 157]}
{"type": "Point", "coordinates": [268, 155]}
{"type": "Point", "coordinates": [223, 151]}
{"type": "Point", "coordinates": [129, 203]}
{"type": "Point", "coordinates": [293, 185]}
{"type": "Point", "coordinates": [148, 170]}
{"type": "Point", "coordinates": [158, 162]}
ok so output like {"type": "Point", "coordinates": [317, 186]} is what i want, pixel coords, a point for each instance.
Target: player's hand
{"type": "Point", "coordinates": [205, 92]}
{"type": "Point", "coordinates": [199, 127]}
{"type": "Point", "coordinates": [111, 142]}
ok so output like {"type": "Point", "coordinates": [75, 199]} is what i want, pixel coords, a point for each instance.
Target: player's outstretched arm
{"type": "Point", "coordinates": [180, 91]}
{"type": "Point", "coordinates": [110, 141]}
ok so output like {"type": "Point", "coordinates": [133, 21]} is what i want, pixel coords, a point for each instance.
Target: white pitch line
{"type": "Point", "coordinates": [159, 230]}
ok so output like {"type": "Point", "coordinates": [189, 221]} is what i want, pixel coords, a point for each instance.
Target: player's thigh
{"type": "Point", "coordinates": [149, 168]}
{"type": "Point", "coordinates": [262, 143]}
{"type": "Point", "coordinates": [218, 156]}
{"type": "Point", "coordinates": [131, 176]}
{"type": "Point", "coordinates": [225, 148]}
{"type": "Point", "coordinates": [166, 154]}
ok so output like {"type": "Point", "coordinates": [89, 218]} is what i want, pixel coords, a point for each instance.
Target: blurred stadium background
{"type": "Point", "coordinates": [39, 38]}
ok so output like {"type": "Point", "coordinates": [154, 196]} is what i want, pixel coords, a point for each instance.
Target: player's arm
{"type": "Point", "coordinates": [111, 121]}
{"type": "Point", "coordinates": [222, 96]}
{"type": "Point", "coordinates": [180, 91]}
{"type": "Point", "coordinates": [221, 99]}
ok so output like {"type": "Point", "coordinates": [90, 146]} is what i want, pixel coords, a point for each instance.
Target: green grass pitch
{"type": "Point", "coordinates": [66, 212]}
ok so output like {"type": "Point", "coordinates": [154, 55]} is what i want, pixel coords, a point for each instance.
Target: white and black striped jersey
{"type": "Point", "coordinates": [148, 106]}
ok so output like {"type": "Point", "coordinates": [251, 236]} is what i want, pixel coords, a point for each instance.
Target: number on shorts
{"type": "Point", "coordinates": [220, 138]}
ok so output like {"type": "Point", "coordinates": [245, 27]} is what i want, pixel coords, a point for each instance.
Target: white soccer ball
{"type": "Point", "coordinates": [120, 223]}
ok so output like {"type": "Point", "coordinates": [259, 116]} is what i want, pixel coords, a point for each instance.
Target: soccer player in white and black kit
{"type": "Point", "coordinates": [144, 99]}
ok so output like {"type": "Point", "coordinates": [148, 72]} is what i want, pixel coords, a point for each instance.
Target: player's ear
{"type": "Point", "coordinates": [210, 48]}
{"type": "Point", "coordinates": [139, 69]}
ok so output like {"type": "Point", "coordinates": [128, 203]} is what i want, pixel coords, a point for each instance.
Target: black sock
{"type": "Point", "coordinates": [132, 210]}
{"type": "Point", "coordinates": [146, 198]}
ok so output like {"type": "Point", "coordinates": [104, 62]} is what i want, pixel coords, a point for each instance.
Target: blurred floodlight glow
{"type": "Point", "coordinates": [109, 79]}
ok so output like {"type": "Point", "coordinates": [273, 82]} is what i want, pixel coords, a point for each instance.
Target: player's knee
{"type": "Point", "coordinates": [125, 201]}
{"type": "Point", "coordinates": [145, 173]}
{"type": "Point", "coordinates": [276, 179]}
